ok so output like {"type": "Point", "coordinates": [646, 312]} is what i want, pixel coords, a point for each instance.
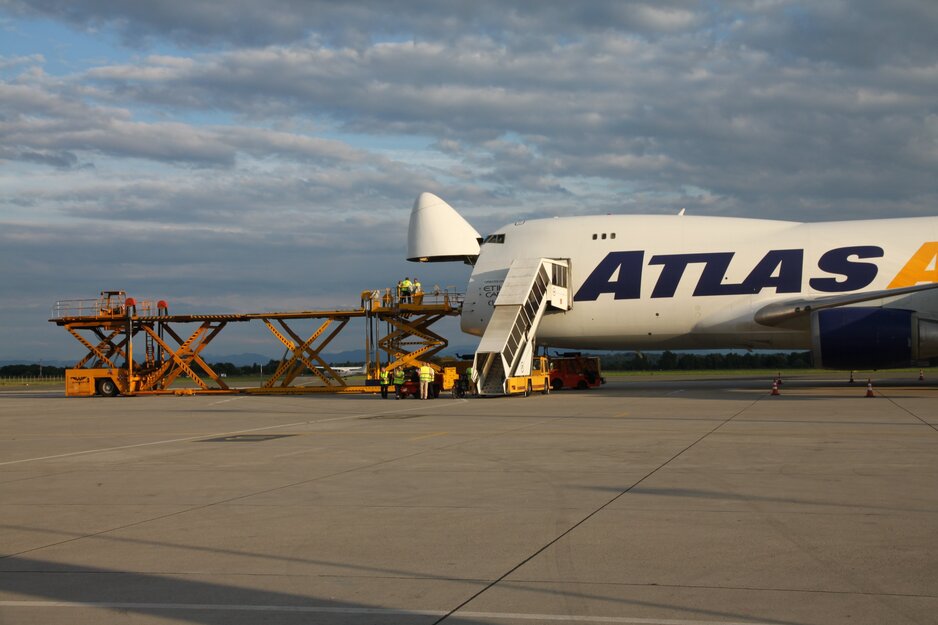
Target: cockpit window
{"type": "Point", "coordinates": [495, 238]}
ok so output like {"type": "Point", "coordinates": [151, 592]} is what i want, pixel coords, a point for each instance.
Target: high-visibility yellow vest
{"type": "Point", "coordinates": [384, 377]}
{"type": "Point", "coordinates": [405, 285]}
{"type": "Point", "coordinates": [426, 374]}
{"type": "Point", "coordinates": [398, 376]}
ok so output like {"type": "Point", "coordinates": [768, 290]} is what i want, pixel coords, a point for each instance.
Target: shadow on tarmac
{"type": "Point", "coordinates": [67, 588]}
{"type": "Point", "coordinates": [692, 493]}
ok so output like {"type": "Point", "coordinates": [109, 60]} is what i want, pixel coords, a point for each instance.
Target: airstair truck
{"type": "Point", "coordinates": [505, 360]}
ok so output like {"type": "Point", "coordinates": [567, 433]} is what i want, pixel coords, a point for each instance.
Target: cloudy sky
{"type": "Point", "coordinates": [251, 156]}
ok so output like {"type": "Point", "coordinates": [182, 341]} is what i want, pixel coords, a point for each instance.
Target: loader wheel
{"type": "Point", "coordinates": [527, 391]}
{"type": "Point", "coordinates": [546, 389]}
{"type": "Point", "coordinates": [106, 387]}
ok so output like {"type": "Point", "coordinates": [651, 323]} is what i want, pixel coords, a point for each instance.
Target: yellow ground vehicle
{"type": "Point", "coordinates": [539, 380]}
{"type": "Point", "coordinates": [88, 382]}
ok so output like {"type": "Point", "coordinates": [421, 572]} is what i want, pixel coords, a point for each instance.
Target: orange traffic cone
{"type": "Point", "coordinates": [775, 387]}
{"type": "Point", "coordinates": [921, 375]}
{"type": "Point", "coordinates": [869, 388]}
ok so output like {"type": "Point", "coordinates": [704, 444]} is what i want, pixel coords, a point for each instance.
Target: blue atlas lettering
{"type": "Point", "coordinates": [857, 275]}
{"type": "Point", "coordinates": [620, 273]}
{"type": "Point", "coordinates": [780, 269]}
{"type": "Point", "coordinates": [628, 282]}
{"type": "Point", "coordinates": [674, 266]}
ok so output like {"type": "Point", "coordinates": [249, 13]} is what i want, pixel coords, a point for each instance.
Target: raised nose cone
{"type": "Point", "coordinates": [437, 233]}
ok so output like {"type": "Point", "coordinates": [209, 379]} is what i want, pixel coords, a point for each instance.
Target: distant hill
{"type": "Point", "coordinates": [244, 359]}
{"type": "Point", "coordinates": [358, 355]}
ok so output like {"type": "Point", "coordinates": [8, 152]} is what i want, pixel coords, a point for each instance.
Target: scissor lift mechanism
{"type": "Point", "coordinates": [111, 329]}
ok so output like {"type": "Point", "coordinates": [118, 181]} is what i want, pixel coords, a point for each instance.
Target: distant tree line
{"type": "Point", "coordinates": [665, 361]}
{"type": "Point", "coordinates": [230, 369]}
{"type": "Point", "coordinates": [255, 369]}
{"type": "Point", "coordinates": [31, 371]}
{"type": "Point", "coordinates": [626, 361]}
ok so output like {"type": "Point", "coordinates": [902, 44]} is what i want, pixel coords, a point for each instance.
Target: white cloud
{"type": "Point", "coordinates": [7, 62]}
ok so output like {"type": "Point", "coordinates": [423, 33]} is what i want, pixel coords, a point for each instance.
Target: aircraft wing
{"type": "Point", "coordinates": [780, 312]}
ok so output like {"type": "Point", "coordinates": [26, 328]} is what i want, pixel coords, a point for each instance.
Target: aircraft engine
{"type": "Point", "coordinates": [871, 338]}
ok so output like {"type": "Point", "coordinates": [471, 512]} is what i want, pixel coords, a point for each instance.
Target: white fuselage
{"type": "Point", "coordinates": [683, 282]}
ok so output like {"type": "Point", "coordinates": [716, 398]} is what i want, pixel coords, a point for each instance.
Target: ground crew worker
{"type": "Point", "coordinates": [417, 290]}
{"type": "Point", "coordinates": [426, 376]}
{"type": "Point", "coordinates": [468, 375]}
{"type": "Point", "coordinates": [383, 380]}
{"type": "Point", "coordinates": [398, 381]}
{"type": "Point", "coordinates": [406, 286]}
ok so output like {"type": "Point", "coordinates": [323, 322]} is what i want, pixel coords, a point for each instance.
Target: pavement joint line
{"type": "Point", "coordinates": [224, 401]}
{"type": "Point", "coordinates": [190, 438]}
{"type": "Point", "coordinates": [119, 605]}
{"type": "Point", "coordinates": [602, 507]}
{"type": "Point", "coordinates": [907, 411]}
{"type": "Point", "coordinates": [656, 585]}
{"type": "Point", "coordinates": [573, 618]}
{"type": "Point", "coordinates": [565, 618]}
{"type": "Point", "coordinates": [430, 435]}
{"type": "Point", "coordinates": [374, 571]}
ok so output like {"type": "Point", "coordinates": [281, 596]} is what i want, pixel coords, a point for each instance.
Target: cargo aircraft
{"type": "Point", "coordinates": [858, 294]}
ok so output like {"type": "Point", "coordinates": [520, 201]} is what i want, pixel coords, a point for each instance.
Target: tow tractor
{"type": "Point", "coordinates": [573, 370]}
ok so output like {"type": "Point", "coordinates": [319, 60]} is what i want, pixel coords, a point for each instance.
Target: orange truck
{"type": "Point", "coordinates": [575, 371]}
